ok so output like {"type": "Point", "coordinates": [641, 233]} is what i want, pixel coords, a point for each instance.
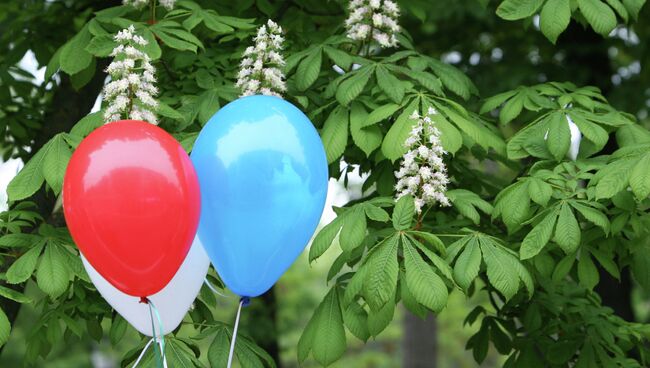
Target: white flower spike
{"type": "Point", "coordinates": [131, 93]}
{"type": "Point", "coordinates": [139, 4]}
{"type": "Point", "coordinates": [423, 173]}
{"type": "Point", "coordinates": [373, 21]}
{"type": "Point", "coordinates": [261, 66]}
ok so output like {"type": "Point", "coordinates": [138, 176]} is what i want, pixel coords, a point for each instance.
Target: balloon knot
{"type": "Point", "coordinates": [245, 301]}
{"type": "Point", "coordinates": [144, 300]}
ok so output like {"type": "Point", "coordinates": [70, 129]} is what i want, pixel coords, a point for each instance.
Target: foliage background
{"type": "Point", "coordinates": [494, 47]}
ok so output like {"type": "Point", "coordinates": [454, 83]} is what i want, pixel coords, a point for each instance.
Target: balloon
{"type": "Point", "coordinates": [172, 302]}
{"type": "Point", "coordinates": [263, 176]}
{"type": "Point", "coordinates": [131, 201]}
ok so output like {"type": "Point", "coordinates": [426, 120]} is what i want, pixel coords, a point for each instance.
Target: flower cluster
{"type": "Point", "coordinates": [373, 20]}
{"type": "Point", "coordinates": [422, 173]}
{"type": "Point", "coordinates": [131, 92]}
{"type": "Point", "coordinates": [261, 67]}
{"type": "Point", "coordinates": [139, 4]}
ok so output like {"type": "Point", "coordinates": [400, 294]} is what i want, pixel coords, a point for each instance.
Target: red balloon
{"type": "Point", "coordinates": [131, 201]}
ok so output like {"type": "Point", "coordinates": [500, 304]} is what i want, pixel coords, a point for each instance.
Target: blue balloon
{"type": "Point", "coordinates": [263, 176]}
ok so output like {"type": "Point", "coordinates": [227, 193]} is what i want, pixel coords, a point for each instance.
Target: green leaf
{"type": "Point", "coordinates": [18, 240]}
{"type": "Point", "coordinates": [567, 231]}
{"type": "Point", "coordinates": [620, 9]}
{"type": "Point", "coordinates": [563, 268]}
{"type": "Point", "coordinates": [600, 16]}
{"type": "Point", "coordinates": [514, 205]}
{"type": "Point", "coordinates": [633, 7]}
{"type": "Point", "coordinates": [450, 137]}
{"type": "Point", "coordinates": [55, 162]}
{"type": "Point", "coordinates": [593, 215]}
{"type": "Point", "coordinates": [424, 284]}
{"type": "Point", "coordinates": [641, 266]}
{"type": "Point", "coordinates": [118, 329]}
{"type": "Point", "coordinates": [381, 279]}
{"type": "Point", "coordinates": [431, 239]}
{"type": "Point", "coordinates": [539, 191]}
{"type": "Point", "coordinates": [170, 38]}
{"type": "Point", "coordinates": [74, 57]}
{"type": "Point", "coordinates": [591, 131]}
{"type": "Point", "coordinates": [308, 69]}
{"type": "Point", "coordinates": [453, 79]}
{"type": "Point", "coordinates": [607, 261]}
{"type": "Point", "coordinates": [538, 237]}
{"type": "Point", "coordinates": [335, 133]}
{"type": "Point", "coordinates": [356, 320]}
{"type": "Point", "coordinates": [381, 113]}
{"type": "Point", "coordinates": [208, 105]}
{"type": "Point", "coordinates": [219, 348]}
{"type": "Point", "coordinates": [368, 139]}
{"type": "Point", "coordinates": [408, 300]}
{"type": "Point", "coordinates": [468, 265]}
{"type": "Point", "coordinates": [52, 275]}
{"type": "Point", "coordinates": [587, 271]}
{"type": "Point", "coordinates": [354, 229]}
{"type": "Point", "coordinates": [323, 240]}
{"type": "Point", "coordinates": [23, 267]}
{"type": "Point", "coordinates": [180, 355]}
{"type": "Point", "coordinates": [511, 109]}
{"type": "Point", "coordinates": [501, 268]}
{"type": "Point", "coordinates": [393, 145]}
{"type": "Point", "coordinates": [640, 178]}
{"type": "Point", "coordinates": [388, 83]}
{"type": "Point", "coordinates": [379, 320]}
{"type": "Point", "coordinates": [339, 57]}
{"type": "Point", "coordinates": [14, 295]}
{"type": "Point", "coordinates": [329, 340]}
{"type": "Point", "coordinates": [555, 18]}
{"type": "Point", "coordinates": [101, 46]}
{"type": "Point", "coordinates": [518, 9]}
{"type": "Point", "coordinates": [351, 87]}
{"type": "Point", "coordinates": [5, 327]}
{"type": "Point", "coordinates": [403, 213]}
{"type": "Point", "coordinates": [30, 178]}
{"type": "Point", "coordinates": [87, 124]}
{"type": "Point", "coordinates": [439, 264]}
{"type": "Point", "coordinates": [373, 213]}
{"type": "Point", "coordinates": [614, 178]}
{"type": "Point", "coordinates": [495, 101]}
{"type": "Point", "coordinates": [305, 342]}
{"type": "Point", "coordinates": [558, 140]}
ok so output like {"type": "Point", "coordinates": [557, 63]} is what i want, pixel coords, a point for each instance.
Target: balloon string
{"type": "Point", "coordinates": [142, 354]}
{"type": "Point", "coordinates": [160, 356]}
{"type": "Point", "coordinates": [164, 357]}
{"type": "Point", "coordinates": [214, 289]}
{"type": "Point", "coordinates": [242, 301]}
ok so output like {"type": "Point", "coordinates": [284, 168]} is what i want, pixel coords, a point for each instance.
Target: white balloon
{"type": "Point", "coordinates": [172, 302]}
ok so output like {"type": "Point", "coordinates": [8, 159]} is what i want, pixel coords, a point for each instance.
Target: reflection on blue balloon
{"type": "Point", "coordinates": [263, 176]}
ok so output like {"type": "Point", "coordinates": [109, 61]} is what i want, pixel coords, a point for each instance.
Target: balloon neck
{"type": "Point", "coordinates": [144, 300]}
{"type": "Point", "coordinates": [245, 301]}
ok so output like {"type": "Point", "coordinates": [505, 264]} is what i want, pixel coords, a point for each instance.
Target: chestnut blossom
{"type": "Point", "coordinates": [131, 93]}
{"type": "Point", "coordinates": [373, 21]}
{"type": "Point", "coordinates": [261, 67]}
{"type": "Point", "coordinates": [139, 4]}
{"type": "Point", "coordinates": [422, 172]}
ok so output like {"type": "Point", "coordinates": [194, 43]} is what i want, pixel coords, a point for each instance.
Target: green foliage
{"type": "Point", "coordinates": [528, 228]}
{"type": "Point", "coordinates": [555, 15]}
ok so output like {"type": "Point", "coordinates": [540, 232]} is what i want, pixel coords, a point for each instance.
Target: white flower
{"type": "Point", "coordinates": [373, 20]}
{"type": "Point", "coordinates": [261, 68]}
{"type": "Point", "coordinates": [423, 173]}
{"type": "Point", "coordinates": [167, 4]}
{"type": "Point", "coordinates": [138, 4]}
{"type": "Point", "coordinates": [131, 93]}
